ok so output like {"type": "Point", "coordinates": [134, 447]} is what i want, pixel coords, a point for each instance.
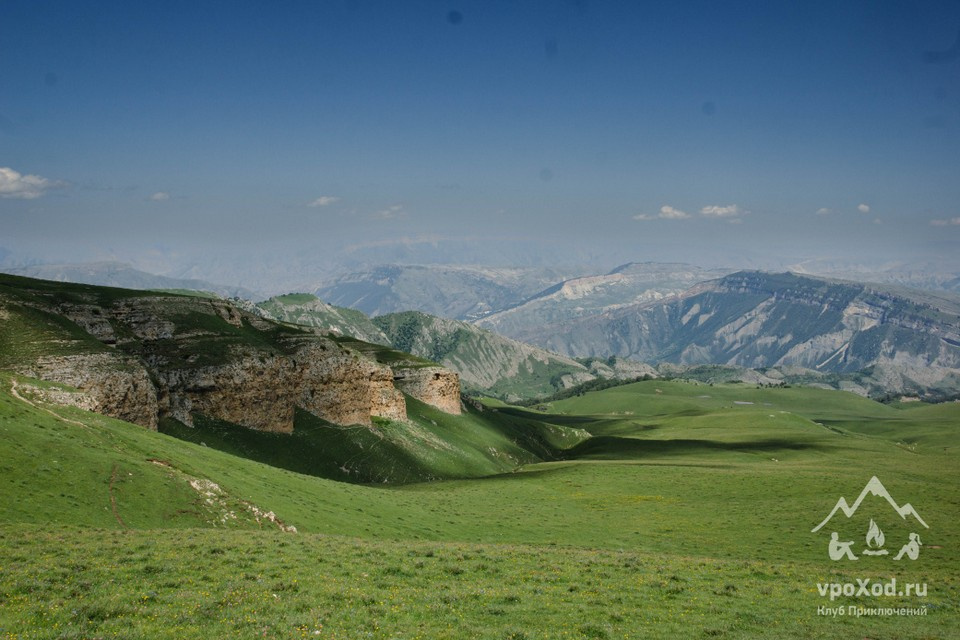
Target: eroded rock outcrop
{"type": "Point", "coordinates": [263, 391]}
{"type": "Point", "coordinates": [111, 384]}
{"type": "Point", "coordinates": [436, 386]}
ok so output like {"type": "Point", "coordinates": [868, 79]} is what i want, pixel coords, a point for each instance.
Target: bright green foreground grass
{"type": "Point", "coordinates": [684, 517]}
{"type": "Point", "coordinates": [81, 583]}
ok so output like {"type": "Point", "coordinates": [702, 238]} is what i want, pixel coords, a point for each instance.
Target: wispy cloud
{"type": "Point", "coordinates": [950, 222]}
{"type": "Point", "coordinates": [323, 201]}
{"type": "Point", "coordinates": [160, 196]}
{"type": "Point", "coordinates": [715, 211]}
{"type": "Point", "coordinates": [863, 208]}
{"type": "Point", "coordinates": [13, 184]}
{"type": "Point", "coordinates": [823, 211]}
{"type": "Point", "coordinates": [666, 213]}
{"type": "Point", "coordinates": [390, 213]}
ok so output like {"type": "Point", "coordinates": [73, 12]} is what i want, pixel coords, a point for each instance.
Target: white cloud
{"type": "Point", "coordinates": [823, 211]}
{"type": "Point", "coordinates": [734, 220]}
{"type": "Point", "coordinates": [390, 213]}
{"type": "Point", "coordinates": [666, 213]}
{"type": "Point", "coordinates": [160, 196]}
{"type": "Point", "coordinates": [946, 223]}
{"type": "Point", "coordinates": [13, 184]}
{"type": "Point", "coordinates": [714, 211]}
{"type": "Point", "coordinates": [669, 213]}
{"type": "Point", "coordinates": [323, 201]}
{"type": "Point", "coordinates": [863, 208]}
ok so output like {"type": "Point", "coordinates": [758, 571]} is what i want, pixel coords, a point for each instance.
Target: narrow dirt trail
{"type": "Point", "coordinates": [113, 498]}
{"type": "Point", "coordinates": [13, 391]}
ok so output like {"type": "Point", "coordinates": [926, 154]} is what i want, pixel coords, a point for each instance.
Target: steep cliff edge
{"type": "Point", "coordinates": [436, 386]}
{"type": "Point", "coordinates": [113, 385]}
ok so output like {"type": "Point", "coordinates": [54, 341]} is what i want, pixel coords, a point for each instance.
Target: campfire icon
{"type": "Point", "coordinates": [875, 541]}
{"type": "Point", "coordinates": [875, 538]}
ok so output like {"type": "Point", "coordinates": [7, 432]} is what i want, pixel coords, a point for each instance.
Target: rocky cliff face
{"type": "Point", "coordinates": [112, 385]}
{"type": "Point", "coordinates": [435, 386]}
{"type": "Point", "coordinates": [263, 391]}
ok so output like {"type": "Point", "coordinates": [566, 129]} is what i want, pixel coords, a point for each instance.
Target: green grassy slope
{"type": "Point", "coordinates": [27, 332]}
{"type": "Point", "coordinates": [34, 324]}
{"type": "Point", "coordinates": [690, 517]}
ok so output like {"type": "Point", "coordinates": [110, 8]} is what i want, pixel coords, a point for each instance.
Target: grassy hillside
{"type": "Point", "coordinates": [36, 321]}
{"type": "Point", "coordinates": [683, 515]}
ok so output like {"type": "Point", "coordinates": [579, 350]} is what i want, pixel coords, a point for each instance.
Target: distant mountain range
{"type": "Point", "coordinates": [451, 291]}
{"type": "Point", "coordinates": [926, 276]}
{"type": "Point", "coordinates": [494, 364]}
{"type": "Point", "coordinates": [627, 285]}
{"type": "Point", "coordinates": [874, 339]}
{"type": "Point", "coordinates": [903, 340]}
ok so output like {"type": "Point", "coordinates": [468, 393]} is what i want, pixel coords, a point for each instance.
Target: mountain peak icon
{"type": "Point", "coordinates": [875, 488]}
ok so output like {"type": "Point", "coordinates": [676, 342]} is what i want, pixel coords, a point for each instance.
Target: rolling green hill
{"type": "Point", "coordinates": [118, 274]}
{"type": "Point", "coordinates": [429, 445]}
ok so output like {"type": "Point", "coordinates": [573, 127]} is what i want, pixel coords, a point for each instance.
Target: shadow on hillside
{"type": "Point", "coordinates": [618, 448]}
{"type": "Point", "coordinates": [552, 418]}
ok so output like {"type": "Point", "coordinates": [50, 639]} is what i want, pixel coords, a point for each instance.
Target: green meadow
{"type": "Point", "coordinates": [660, 509]}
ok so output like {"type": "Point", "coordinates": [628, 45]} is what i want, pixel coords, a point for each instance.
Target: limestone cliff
{"type": "Point", "coordinates": [436, 386]}
{"type": "Point", "coordinates": [263, 391]}
{"type": "Point", "coordinates": [112, 385]}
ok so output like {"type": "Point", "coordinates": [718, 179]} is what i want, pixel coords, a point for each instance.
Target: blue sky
{"type": "Point", "coordinates": [709, 132]}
